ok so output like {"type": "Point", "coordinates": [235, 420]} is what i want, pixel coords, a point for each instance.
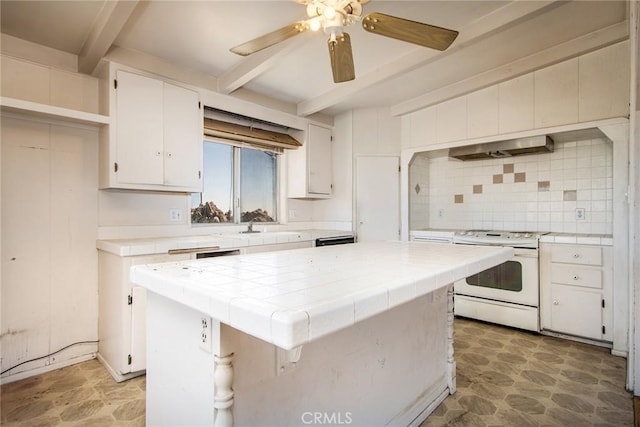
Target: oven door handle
{"type": "Point", "coordinates": [528, 253]}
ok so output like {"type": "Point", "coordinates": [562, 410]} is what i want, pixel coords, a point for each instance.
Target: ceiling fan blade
{"type": "Point", "coordinates": [409, 31]}
{"type": "Point", "coordinates": [266, 40]}
{"type": "Point", "coordinates": [341, 58]}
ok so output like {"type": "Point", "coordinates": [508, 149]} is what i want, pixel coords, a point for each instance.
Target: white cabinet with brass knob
{"type": "Point", "coordinates": [310, 173]}
{"type": "Point", "coordinates": [576, 291]}
{"type": "Point", "coordinates": [155, 139]}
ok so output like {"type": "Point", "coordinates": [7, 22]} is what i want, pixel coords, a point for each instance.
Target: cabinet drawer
{"type": "Point", "coordinates": [586, 255]}
{"type": "Point", "coordinates": [576, 275]}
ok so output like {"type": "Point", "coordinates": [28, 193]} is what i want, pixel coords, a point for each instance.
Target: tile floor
{"type": "Point", "coordinates": [80, 395]}
{"type": "Point", "coordinates": [505, 378]}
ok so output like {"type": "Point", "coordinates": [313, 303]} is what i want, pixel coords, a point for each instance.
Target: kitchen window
{"type": "Point", "coordinates": [240, 184]}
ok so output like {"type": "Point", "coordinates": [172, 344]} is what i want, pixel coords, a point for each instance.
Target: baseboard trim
{"type": "Point", "coordinates": [46, 368]}
{"type": "Point", "coordinates": [118, 377]}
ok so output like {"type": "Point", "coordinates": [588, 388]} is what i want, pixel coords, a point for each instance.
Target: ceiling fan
{"type": "Point", "coordinates": [333, 16]}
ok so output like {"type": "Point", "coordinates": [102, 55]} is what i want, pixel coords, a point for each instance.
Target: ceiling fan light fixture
{"type": "Point", "coordinates": [329, 12]}
{"type": "Point", "coordinates": [315, 24]}
{"type": "Point", "coordinates": [334, 15]}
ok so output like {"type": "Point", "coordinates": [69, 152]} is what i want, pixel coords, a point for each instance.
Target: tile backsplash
{"type": "Point", "coordinates": [569, 190]}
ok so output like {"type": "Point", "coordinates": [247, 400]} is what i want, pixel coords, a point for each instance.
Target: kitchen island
{"type": "Point", "coordinates": [357, 334]}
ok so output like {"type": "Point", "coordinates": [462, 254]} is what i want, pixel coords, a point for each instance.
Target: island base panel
{"type": "Point", "coordinates": [393, 368]}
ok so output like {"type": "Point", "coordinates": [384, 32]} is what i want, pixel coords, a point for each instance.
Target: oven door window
{"type": "Point", "coordinates": [506, 276]}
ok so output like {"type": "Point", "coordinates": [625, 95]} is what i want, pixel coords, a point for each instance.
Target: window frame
{"type": "Point", "coordinates": [236, 182]}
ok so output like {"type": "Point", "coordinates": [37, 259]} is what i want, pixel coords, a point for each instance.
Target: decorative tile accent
{"type": "Point", "coordinates": [544, 185]}
{"type": "Point", "coordinates": [570, 195]}
{"type": "Point", "coordinates": [497, 179]}
{"type": "Point", "coordinates": [507, 168]}
{"type": "Point", "coordinates": [458, 198]}
{"type": "Point", "coordinates": [520, 177]}
{"type": "Point", "coordinates": [417, 188]}
{"type": "Point", "coordinates": [477, 189]}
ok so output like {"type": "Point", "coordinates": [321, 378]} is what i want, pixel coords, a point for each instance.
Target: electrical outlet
{"type": "Point", "coordinates": [292, 214]}
{"type": "Point", "coordinates": [205, 334]}
{"type": "Point", "coordinates": [175, 215]}
{"type": "Point", "coordinates": [580, 214]}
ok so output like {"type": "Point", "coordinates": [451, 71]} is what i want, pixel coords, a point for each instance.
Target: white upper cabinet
{"type": "Point", "coordinates": [155, 142]}
{"type": "Point", "coordinates": [139, 130]}
{"type": "Point", "coordinates": [182, 138]}
{"type": "Point", "coordinates": [310, 166]}
{"type": "Point", "coordinates": [482, 112]}
{"type": "Point", "coordinates": [452, 120]}
{"type": "Point", "coordinates": [516, 104]}
{"type": "Point", "coordinates": [556, 94]}
{"type": "Point", "coordinates": [594, 86]}
{"type": "Point", "coordinates": [419, 128]}
{"type": "Point", "coordinates": [604, 83]}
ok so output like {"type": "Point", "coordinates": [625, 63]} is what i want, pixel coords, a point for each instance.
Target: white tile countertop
{"type": "Point", "coordinates": [289, 298]}
{"type": "Point", "coordinates": [161, 245]}
{"type": "Point", "coordinates": [579, 239]}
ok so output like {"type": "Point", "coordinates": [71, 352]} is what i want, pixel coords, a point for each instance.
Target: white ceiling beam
{"type": "Point", "coordinates": [553, 55]}
{"type": "Point", "coordinates": [256, 64]}
{"type": "Point", "coordinates": [504, 17]}
{"type": "Point", "coordinates": [108, 25]}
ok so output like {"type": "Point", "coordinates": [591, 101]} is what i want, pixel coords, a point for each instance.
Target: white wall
{"type": "Point", "coordinates": [49, 221]}
{"type": "Point", "coordinates": [49, 217]}
{"type": "Point", "coordinates": [634, 151]}
{"type": "Point", "coordinates": [419, 191]}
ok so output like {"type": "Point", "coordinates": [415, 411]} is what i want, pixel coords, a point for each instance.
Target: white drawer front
{"type": "Point", "coordinates": [576, 275]}
{"type": "Point", "coordinates": [586, 255]}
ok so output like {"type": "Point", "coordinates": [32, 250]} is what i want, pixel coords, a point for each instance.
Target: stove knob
{"type": "Point", "coordinates": [527, 235]}
{"type": "Point", "coordinates": [517, 235]}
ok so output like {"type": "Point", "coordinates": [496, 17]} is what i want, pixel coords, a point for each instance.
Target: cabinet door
{"type": "Point", "coordinates": [137, 341]}
{"type": "Point", "coordinates": [139, 129]}
{"type": "Point", "coordinates": [182, 138]}
{"type": "Point", "coordinates": [319, 158]}
{"type": "Point", "coordinates": [576, 311]}
{"type": "Point", "coordinates": [138, 329]}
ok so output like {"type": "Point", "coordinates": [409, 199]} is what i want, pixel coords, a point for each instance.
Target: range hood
{"type": "Point", "coordinates": [500, 149]}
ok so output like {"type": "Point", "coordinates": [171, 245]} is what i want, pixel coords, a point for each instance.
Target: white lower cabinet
{"type": "Point", "coordinates": [122, 314]}
{"type": "Point", "coordinates": [122, 331]}
{"type": "Point", "coordinates": [576, 295]}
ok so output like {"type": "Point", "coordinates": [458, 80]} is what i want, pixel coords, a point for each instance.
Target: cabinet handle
{"type": "Point", "coordinates": [576, 255]}
{"type": "Point", "coordinates": [555, 302]}
{"type": "Point", "coordinates": [158, 153]}
{"type": "Point", "coordinates": [575, 277]}
{"type": "Point", "coordinates": [169, 154]}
